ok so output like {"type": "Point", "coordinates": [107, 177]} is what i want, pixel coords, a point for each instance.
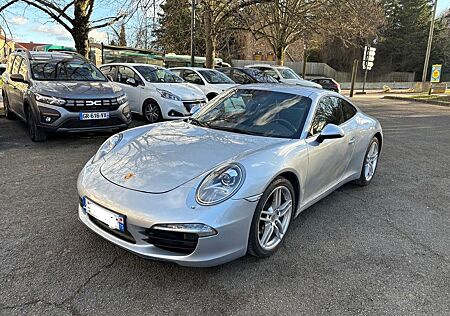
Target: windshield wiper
{"type": "Point", "coordinates": [236, 130]}
{"type": "Point", "coordinates": [194, 121]}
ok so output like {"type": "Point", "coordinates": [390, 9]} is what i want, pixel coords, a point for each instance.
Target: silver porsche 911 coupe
{"type": "Point", "coordinates": [229, 180]}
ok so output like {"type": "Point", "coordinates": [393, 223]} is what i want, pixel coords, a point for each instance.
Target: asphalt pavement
{"type": "Point", "coordinates": [377, 250]}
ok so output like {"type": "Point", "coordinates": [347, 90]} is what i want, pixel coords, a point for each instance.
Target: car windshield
{"type": "Point", "coordinates": [215, 77]}
{"type": "Point", "coordinates": [259, 75]}
{"type": "Point", "coordinates": [256, 112]}
{"type": "Point", "coordinates": [288, 73]}
{"type": "Point", "coordinates": [152, 74]}
{"type": "Point", "coordinates": [68, 69]}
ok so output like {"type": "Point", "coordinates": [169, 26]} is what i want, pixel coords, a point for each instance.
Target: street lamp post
{"type": "Point", "coordinates": [430, 41]}
{"type": "Point", "coordinates": [192, 32]}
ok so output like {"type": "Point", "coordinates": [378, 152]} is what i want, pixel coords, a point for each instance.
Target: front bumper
{"type": "Point", "coordinates": [231, 219]}
{"type": "Point", "coordinates": [70, 121]}
{"type": "Point", "coordinates": [172, 110]}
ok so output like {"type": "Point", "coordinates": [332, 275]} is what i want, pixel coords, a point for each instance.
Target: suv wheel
{"type": "Point", "coordinates": [8, 113]}
{"type": "Point", "coordinates": [36, 134]}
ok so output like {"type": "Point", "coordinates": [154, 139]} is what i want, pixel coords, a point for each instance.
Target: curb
{"type": "Point", "coordinates": [433, 102]}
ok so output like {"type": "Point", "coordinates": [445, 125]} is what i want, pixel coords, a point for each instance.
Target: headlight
{"type": "Point", "coordinates": [220, 184]}
{"type": "Point", "coordinates": [49, 100]}
{"type": "Point", "coordinates": [168, 95]}
{"type": "Point", "coordinates": [107, 146]}
{"type": "Point", "coordinates": [122, 99]}
{"type": "Point", "coordinates": [126, 111]}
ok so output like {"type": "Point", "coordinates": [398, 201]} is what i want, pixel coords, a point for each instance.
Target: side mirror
{"type": "Point", "coordinates": [131, 82]}
{"type": "Point", "coordinates": [195, 109]}
{"type": "Point", "coordinates": [330, 131]}
{"type": "Point", "coordinates": [18, 78]}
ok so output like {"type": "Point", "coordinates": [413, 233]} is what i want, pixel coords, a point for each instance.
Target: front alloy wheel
{"type": "Point", "coordinates": [272, 218]}
{"type": "Point", "coordinates": [35, 133]}
{"type": "Point", "coordinates": [152, 112]}
{"type": "Point", "coordinates": [370, 163]}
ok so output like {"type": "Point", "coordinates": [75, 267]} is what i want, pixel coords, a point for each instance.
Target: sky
{"type": "Point", "coordinates": [28, 24]}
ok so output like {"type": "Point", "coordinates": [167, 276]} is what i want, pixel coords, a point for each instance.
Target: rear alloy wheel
{"type": "Point", "coordinates": [152, 112]}
{"type": "Point", "coordinates": [8, 113]}
{"type": "Point", "coordinates": [370, 163]}
{"type": "Point", "coordinates": [272, 217]}
{"type": "Point", "coordinates": [36, 134]}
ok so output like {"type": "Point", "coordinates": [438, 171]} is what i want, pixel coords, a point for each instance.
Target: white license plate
{"type": "Point", "coordinates": [94, 116]}
{"type": "Point", "coordinates": [113, 220]}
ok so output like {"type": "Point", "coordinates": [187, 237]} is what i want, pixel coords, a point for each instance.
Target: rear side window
{"type": "Point", "coordinates": [23, 69]}
{"type": "Point", "coordinates": [348, 110]}
{"type": "Point", "coordinates": [16, 64]}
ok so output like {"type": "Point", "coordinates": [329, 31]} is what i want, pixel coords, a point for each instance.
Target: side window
{"type": "Point", "coordinates": [125, 73]}
{"type": "Point", "coordinates": [10, 63]}
{"type": "Point", "coordinates": [109, 71]}
{"type": "Point", "coordinates": [271, 72]}
{"type": "Point", "coordinates": [16, 64]}
{"type": "Point", "coordinates": [348, 110]}
{"type": "Point", "coordinates": [23, 69]}
{"type": "Point", "coordinates": [328, 112]}
{"type": "Point", "coordinates": [192, 77]}
{"type": "Point", "coordinates": [176, 71]}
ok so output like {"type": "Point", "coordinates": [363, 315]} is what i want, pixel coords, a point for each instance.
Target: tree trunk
{"type": "Point", "coordinates": [80, 31]}
{"type": "Point", "coordinates": [211, 41]}
{"type": "Point", "coordinates": [280, 52]}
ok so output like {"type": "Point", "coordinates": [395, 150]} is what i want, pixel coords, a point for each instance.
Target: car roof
{"type": "Point", "coordinates": [130, 65]}
{"type": "Point", "coordinates": [49, 55]}
{"type": "Point", "coordinates": [287, 88]}
{"type": "Point", "coordinates": [196, 68]}
{"type": "Point", "coordinates": [267, 65]}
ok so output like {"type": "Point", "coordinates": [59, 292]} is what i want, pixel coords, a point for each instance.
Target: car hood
{"type": "Point", "coordinates": [77, 89]}
{"type": "Point", "coordinates": [302, 82]}
{"type": "Point", "coordinates": [171, 154]}
{"type": "Point", "coordinates": [184, 91]}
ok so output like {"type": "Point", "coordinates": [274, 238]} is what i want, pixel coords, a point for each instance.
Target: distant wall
{"type": "Point", "coordinates": [323, 70]}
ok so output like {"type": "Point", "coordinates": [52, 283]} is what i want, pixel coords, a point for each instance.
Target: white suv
{"type": "Point", "coordinates": [155, 92]}
{"type": "Point", "coordinates": [284, 75]}
{"type": "Point", "coordinates": [210, 81]}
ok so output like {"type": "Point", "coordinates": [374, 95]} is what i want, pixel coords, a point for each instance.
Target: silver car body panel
{"type": "Point", "coordinates": [184, 154]}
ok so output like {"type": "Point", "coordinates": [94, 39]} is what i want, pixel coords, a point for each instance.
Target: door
{"type": "Point", "coordinates": [327, 160]}
{"type": "Point", "coordinates": [351, 128]}
{"type": "Point", "coordinates": [22, 87]}
{"type": "Point", "coordinates": [13, 89]}
{"type": "Point", "coordinates": [133, 91]}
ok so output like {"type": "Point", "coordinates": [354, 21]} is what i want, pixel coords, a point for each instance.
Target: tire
{"type": "Point", "coordinates": [211, 96]}
{"type": "Point", "coordinates": [151, 112]}
{"type": "Point", "coordinates": [36, 134]}
{"type": "Point", "coordinates": [260, 229]}
{"type": "Point", "coordinates": [370, 163]}
{"type": "Point", "coordinates": [8, 113]}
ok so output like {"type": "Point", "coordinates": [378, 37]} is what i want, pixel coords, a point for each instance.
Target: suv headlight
{"type": "Point", "coordinates": [220, 184]}
{"type": "Point", "coordinates": [168, 95]}
{"type": "Point", "coordinates": [107, 146]}
{"type": "Point", "coordinates": [49, 100]}
{"type": "Point", "coordinates": [122, 99]}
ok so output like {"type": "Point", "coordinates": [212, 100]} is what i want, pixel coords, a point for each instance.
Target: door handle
{"type": "Point", "coordinates": [352, 140]}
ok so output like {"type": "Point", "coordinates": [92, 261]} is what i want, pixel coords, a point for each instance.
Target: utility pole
{"type": "Point", "coordinates": [430, 41]}
{"type": "Point", "coordinates": [354, 72]}
{"type": "Point", "coordinates": [305, 60]}
{"type": "Point", "coordinates": [192, 32]}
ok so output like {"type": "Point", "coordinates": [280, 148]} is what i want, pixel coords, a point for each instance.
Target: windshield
{"type": "Point", "coordinates": [215, 77]}
{"type": "Point", "coordinates": [256, 112]}
{"type": "Point", "coordinates": [288, 73]}
{"type": "Point", "coordinates": [259, 75]}
{"type": "Point", "coordinates": [65, 70]}
{"type": "Point", "coordinates": [152, 74]}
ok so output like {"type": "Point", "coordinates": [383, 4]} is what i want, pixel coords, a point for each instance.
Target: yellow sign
{"type": "Point", "coordinates": [436, 73]}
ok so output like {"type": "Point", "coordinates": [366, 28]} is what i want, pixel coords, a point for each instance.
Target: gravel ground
{"type": "Point", "coordinates": [378, 250]}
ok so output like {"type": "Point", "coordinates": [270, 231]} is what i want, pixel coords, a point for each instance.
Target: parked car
{"type": "Point", "coordinates": [61, 92]}
{"type": "Point", "coordinates": [155, 92]}
{"type": "Point", "coordinates": [230, 179]}
{"type": "Point", "coordinates": [210, 81]}
{"type": "Point", "coordinates": [328, 83]}
{"type": "Point", "coordinates": [2, 70]}
{"type": "Point", "coordinates": [247, 75]}
{"type": "Point", "coordinates": [285, 75]}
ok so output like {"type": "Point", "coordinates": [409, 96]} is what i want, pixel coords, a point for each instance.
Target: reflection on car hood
{"type": "Point", "coordinates": [185, 92]}
{"type": "Point", "coordinates": [77, 89]}
{"type": "Point", "coordinates": [174, 153]}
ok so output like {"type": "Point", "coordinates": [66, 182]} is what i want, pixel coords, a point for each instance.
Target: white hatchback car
{"type": "Point", "coordinates": [285, 75]}
{"type": "Point", "coordinates": [210, 81]}
{"type": "Point", "coordinates": [155, 92]}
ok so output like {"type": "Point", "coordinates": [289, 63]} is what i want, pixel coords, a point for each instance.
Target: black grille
{"type": "Point", "coordinates": [77, 123]}
{"type": "Point", "coordinates": [78, 105]}
{"type": "Point", "coordinates": [190, 104]}
{"type": "Point", "coordinates": [184, 243]}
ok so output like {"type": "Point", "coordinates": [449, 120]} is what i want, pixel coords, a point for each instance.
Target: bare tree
{"type": "Point", "coordinates": [283, 22]}
{"type": "Point", "coordinates": [73, 15]}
